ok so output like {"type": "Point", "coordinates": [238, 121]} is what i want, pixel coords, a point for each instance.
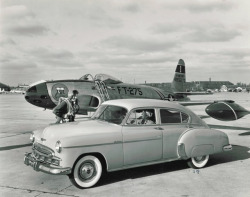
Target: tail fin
{"type": "Point", "coordinates": [179, 81]}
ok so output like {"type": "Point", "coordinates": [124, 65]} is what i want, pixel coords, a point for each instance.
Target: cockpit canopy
{"type": "Point", "coordinates": [101, 77]}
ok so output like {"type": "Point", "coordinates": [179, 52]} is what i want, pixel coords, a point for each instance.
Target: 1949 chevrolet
{"type": "Point", "coordinates": [124, 134]}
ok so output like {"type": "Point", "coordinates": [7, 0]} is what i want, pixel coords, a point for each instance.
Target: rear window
{"type": "Point", "coordinates": [173, 116]}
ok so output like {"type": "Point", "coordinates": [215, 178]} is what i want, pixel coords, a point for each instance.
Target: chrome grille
{"type": "Point", "coordinates": [45, 154]}
{"type": "Point", "coordinates": [43, 149]}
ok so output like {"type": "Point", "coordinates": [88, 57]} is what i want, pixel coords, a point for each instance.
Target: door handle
{"type": "Point", "coordinates": [158, 128]}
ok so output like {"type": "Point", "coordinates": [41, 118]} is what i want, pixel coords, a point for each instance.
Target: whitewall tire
{"type": "Point", "coordinates": [87, 172]}
{"type": "Point", "coordinates": [198, 162]}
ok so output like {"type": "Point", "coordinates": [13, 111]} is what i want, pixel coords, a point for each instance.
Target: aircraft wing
{"type": "Point", "coordinates": [190, 103]}
{"type": "Point", "coordinates": [193, 93]}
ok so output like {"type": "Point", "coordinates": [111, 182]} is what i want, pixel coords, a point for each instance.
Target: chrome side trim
{"type": "Point", "coordinates": [146, 139]}
{"type": "Point", "coordinates": [115, 142]}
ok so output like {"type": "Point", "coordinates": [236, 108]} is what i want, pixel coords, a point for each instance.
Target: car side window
{"type": "Point", "coordinates": [172, 116]}
{"type": "Point", "coordinates": [184, 118]}
{"type": "Point", "coordinates": [112, 114]}
{"type": "Point", "coordinates": [142, 117]}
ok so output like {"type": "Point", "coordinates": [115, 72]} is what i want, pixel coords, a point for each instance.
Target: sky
{"type": "Point", "coordinates": [132, 40]}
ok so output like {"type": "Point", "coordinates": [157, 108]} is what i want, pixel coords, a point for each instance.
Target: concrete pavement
{"type": "Point", "coordinates": [227, 174]}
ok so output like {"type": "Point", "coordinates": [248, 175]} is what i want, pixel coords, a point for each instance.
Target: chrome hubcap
{"type": "Point", "coordinates": [199, 159]}
{"type": "Point", "coordinates": [87, 171]}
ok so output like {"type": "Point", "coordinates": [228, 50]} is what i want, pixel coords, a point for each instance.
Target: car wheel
{"type": "Point", "coordinates": [198, 162]}
{"type": "Point", "coordinates": [87, 172]}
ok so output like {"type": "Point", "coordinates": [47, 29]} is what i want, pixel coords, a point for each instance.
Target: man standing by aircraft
{"type": "Point", "coordinates": [66, 108]}
{"type": "Point", "coordinates": [74, 102]}
{"type": "Point", "coordinates": [73, 98]}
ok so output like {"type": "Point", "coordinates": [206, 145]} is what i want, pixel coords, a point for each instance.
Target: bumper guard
{"type": "Point", "coordinates": [30, 160]}
{"type": "Point", "coordinates": [227, 147]}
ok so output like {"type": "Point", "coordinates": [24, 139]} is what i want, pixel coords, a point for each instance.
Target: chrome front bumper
{"type": "Point", "coordinates": [227, 147]}
{"type": "Point", "coordinates": [30, 160]}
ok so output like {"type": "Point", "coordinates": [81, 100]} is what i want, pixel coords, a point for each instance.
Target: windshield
{"type": "Point", "coordinates": [110, 113]}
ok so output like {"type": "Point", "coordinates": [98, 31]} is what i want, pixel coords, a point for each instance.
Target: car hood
{"type": "Point", "coordinates": [51, 134]}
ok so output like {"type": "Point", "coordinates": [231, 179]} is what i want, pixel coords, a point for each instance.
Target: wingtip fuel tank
{"type": "Point", "coordinates": [226, 110]}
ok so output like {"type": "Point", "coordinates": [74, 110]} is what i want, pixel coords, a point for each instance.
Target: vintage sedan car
{"type": "Point", "coordinates": [124, 134]}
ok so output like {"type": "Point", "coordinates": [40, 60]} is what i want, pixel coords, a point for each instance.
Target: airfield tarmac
{"type": "Point", "coordinates": [226, 174]}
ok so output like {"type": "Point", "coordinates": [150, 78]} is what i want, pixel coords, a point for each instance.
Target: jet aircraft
{"type": "Point", "coordinates": [95, 90]}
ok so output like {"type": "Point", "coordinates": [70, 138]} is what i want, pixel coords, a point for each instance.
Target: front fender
{"type": "Point", "coordinates": [109, 145]}
{"type": "Point", "coordinates": [199, 142]}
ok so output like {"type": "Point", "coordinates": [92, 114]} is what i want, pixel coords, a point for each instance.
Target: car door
{"type": "Point", "coordinates": [141, 142]}
{"type": "Point", "coordinates": [173, 123]}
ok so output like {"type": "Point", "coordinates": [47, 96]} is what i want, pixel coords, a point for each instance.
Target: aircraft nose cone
{"type": "Point", "coordinates": [38, 95]}
{"type": "Point", "coordinates": [181, 62]}
{"type": "Point", "coordinates": [226, 111]}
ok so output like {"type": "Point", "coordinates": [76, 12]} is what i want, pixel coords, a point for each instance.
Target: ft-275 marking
{"type": "Point", "coordinates": [129, 90]}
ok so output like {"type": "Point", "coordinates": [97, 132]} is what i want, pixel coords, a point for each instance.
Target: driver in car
{"type": "Point", "coordinates": [146, 118]}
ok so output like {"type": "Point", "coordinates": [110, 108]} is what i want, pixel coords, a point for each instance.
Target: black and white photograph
{"type": "Point", "coordinates": [110, 98]}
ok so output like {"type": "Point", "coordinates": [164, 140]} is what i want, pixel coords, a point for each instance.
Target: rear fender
{"type": "Point", "coordinates": [199, 142]}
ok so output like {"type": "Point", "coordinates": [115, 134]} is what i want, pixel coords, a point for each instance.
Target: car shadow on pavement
{"type": "Point", "coordinates": [244, 134]}
{"type": "Point", "coordinates": [145, 171]}
{"type": "Point", "coordinates": [238, 153]}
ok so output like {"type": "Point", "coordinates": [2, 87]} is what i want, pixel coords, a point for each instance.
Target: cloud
{"type": "Point", "coordinates": [199, 6]}
{"type": "Point", "coordinates": [212, 35]}
{"type": "Point", "coordinates": [131, 60]}
{"type": "Point", "coordinates": [208, 6]}
{"type": "Point", "coordinates": [16, 65]}
{"type": "Point", "coordinates": [100, 17]}
{"type": "Point", "coordinates": [20, 21]}
{"type": "Point", "coordinates": [7, 42]}
{"type": "Point", "coordinates": [104, 21]}
{"type": "Point", "coordinates": [17, 12]}
{"type": "Point", "coordinates": [132, 8]}
{"type": "Point", "coordinates": [45, 53]}
{"type": "Point", "coordinates": [20, 71]}
{"type": "Point", "coordinates": [6, 57]}
{"type": "Point", "coordinates": [163, 28]}
{"type": "Point", "coordinates": [236, 52]}
{"type": "Point", "coordinates": [215, 54]}
{"type": "Point", "coordinates": [51, 58]}
{"type": "Point", "coordinates": [27, 30]}
{"type": "Point", "coordinates": [207, 31]}
{"type": "Point", "coordinates": [58, 64]}
{"type": "Point", "coordinates": [137, 44]}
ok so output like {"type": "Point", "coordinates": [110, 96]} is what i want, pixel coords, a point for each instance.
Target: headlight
{"type": "Point", "coordinates": [58, 146]}
{"type": "Point", "coordinates": [32, 137]}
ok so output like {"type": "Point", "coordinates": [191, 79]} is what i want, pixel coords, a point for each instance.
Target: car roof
{"type": "Point", "coordinates": [139, 103]}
